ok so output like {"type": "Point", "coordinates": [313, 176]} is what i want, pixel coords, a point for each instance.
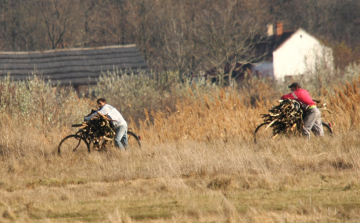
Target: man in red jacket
{"type": "Point", "coordinates": [312, 119]}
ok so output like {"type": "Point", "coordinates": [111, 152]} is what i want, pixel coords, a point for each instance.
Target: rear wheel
{"type": "Point", "coordinates": [73, 144]}
{"type": "Point", "coordinates": [134, 140]}
{"type": "Point", "coordinates": [326, 128]}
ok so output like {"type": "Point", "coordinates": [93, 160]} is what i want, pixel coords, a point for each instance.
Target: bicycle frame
{"type": "Point", "coordinates": [280, 121]}
{"type": "Point", "coordinates": [98, 137]}
{"type": "Point", "coordinates": [97, 132]}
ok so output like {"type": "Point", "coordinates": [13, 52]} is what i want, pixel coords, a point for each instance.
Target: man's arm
{"type": "Point", "coordinates": [88, 117]}
{"type": "Point", "coordinates": [92, 112]}
{"type": "Point", "coordinates": [91, 115]}
{"type": "Point", "coordinates": [288, 96]}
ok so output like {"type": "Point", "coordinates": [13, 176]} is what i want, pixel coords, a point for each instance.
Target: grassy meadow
{"type": "Point", "coordinates": [198, 161]}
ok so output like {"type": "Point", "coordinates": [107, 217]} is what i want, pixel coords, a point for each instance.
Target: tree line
{"type": "Point", "coordinates": [184, 35]}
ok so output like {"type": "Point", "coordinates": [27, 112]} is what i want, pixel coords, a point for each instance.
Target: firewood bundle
{"type": "Point", "coordinates": [284, 118]}
{"type": "Point", "coordinates": [99, 127]}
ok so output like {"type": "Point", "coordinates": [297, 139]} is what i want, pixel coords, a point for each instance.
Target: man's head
{"type": "Point", "coordinates": [295, 86]}
{"type": "Point", "coordinates": [101, 102]}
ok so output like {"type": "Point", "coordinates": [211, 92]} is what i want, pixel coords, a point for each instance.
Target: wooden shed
{"type": "Point", "coordinates": [77, 66]}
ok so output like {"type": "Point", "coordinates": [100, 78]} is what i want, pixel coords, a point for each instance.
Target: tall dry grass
{"type": "Point", "coordinates": [198, 161]}
{"type": "Point", "coordinates": [226, 114]}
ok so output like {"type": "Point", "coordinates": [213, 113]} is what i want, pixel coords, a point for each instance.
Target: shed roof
{"type": "Point", "coordinates": [267, 45]}
{"type": "Point", "coordinates": [75, 66]}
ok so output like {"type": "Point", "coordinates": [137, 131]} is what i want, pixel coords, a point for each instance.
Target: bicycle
{"type": "Point", "coordinates": [286, 119]}
{"type": "Point", "coordinates": [96, 134]}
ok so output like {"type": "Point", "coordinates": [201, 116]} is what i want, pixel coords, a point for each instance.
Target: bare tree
{"type": "Point", "coordinates": [56, 15]}
{"type": "Point", "coordinates": [143, 21]}
{"type": "Point", "coordinates": [187, 35]}
{"type": "Point", "coordinates": [229, 34]}
{"type": "Point", "coordinates": [18, 26]}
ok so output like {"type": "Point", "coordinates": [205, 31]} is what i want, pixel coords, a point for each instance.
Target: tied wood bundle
{"type": "Point", "coordinates": [284, 118]}
{"type": "Point", "coordinates": [99, 127]}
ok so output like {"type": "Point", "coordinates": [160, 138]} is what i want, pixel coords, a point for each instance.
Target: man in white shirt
{"type": "Point", "coordinates": [118, 122]}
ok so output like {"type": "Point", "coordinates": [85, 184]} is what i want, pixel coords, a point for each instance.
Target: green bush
{"type": "Point", "coordinates": [38, 103]}
{"type": "Point", "coordinates": [133, 94]}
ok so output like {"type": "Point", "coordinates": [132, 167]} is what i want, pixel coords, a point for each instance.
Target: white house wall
{"type": "Point", "coordinates": [298, 55]}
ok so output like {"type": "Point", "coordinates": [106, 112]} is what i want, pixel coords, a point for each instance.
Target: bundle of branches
{"type": "Point", "coordinates": [99, 127]}
{"type": "Point", "coordinates": [284, 118]}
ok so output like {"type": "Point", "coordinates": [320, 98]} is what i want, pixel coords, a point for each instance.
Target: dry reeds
{"type": "Point", "coordinates": [198, 162]}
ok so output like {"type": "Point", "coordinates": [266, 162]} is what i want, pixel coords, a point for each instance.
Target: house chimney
{"type": "Point", "coordinates": [279, 28]}
{"type": "Point", "coordinates": [270, 30]}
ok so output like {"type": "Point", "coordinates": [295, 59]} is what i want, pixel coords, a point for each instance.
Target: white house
{"type": "Point", "coordinates": [298, 54]}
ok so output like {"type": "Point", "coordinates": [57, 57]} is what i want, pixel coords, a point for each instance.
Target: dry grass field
{"type": "Point", "coordinates": [198, 162]}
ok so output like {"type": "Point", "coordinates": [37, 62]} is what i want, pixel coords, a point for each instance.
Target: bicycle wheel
{"type": "Point", "coordinates": [262, 134]}
{"type": "Point", "coordinates": [327, 129]}
{"type": "Point", "coordinates": [134, 140]}
{"type": "Point", "coordinates": [73, 144]}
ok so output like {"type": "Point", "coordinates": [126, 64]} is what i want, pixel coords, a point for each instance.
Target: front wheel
{"type": "Point", "coordinates": [73, 144]}
{"type": "Point", "coordinates": [262, 133]}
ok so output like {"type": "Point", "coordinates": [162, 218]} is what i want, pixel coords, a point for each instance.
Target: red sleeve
{"type": "Point", "coordinates": [288, 96]}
